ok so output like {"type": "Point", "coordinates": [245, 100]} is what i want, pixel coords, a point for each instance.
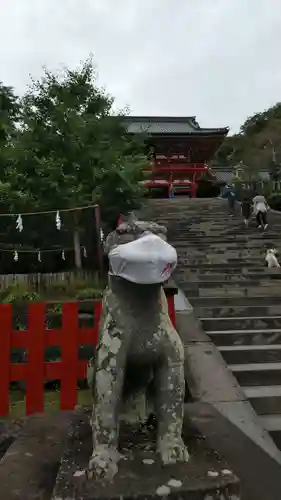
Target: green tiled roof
{"type": "Point", "coordinates": [156, 125]}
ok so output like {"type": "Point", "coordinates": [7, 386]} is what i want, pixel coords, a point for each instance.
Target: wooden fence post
{"type": "Point", "coordinates": [35, 371]}
{"type": "Point", "coordinates": [69, 356]}
{"type": "Point", "coordinates": [5, 357]}
{"type": "Point", "coordinates": [35, 358]}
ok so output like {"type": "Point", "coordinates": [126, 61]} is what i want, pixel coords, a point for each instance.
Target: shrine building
{"type": "Point", "coordinates": [179, 150]}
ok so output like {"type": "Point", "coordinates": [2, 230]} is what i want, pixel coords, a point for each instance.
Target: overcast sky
{"type": "Point", "coordinates": [216, 59]}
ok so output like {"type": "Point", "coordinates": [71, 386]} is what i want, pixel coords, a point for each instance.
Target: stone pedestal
{"type": "Point", "coordinates": [140, 473]}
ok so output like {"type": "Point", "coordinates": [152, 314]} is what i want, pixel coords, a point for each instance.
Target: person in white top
{"type": "Point", "coordinates": [260, 210]}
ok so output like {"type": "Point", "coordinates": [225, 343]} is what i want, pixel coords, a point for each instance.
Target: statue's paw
{"type": "Point", "coordinates": [172, 450]}
{"type": "Point", "coordinates": [103, 463]}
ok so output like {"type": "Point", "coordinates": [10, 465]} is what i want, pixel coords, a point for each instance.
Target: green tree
{"type": "Point", "coordinates": [228, 152]}
{"type": "Point", "coordinates": [9, 114]}
{"type": "Point", "coordinates": [72, 150]}
{"type": "Point", "coordinates": [257, 145]}
{"type": "Point", "coordinates": [9, 120]}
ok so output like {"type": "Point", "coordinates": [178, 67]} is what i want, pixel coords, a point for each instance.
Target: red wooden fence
{"type": "Point", "coordinates": [35, 340]}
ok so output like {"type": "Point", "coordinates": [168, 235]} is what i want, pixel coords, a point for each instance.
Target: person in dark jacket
{"type": "Point", "coordinates": [246, 209]}
{"type": "Point", "coordinates": [230, 194]}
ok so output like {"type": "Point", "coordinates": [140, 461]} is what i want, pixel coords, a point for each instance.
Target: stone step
{"type": "Point", "coordinates": [135, 479]}
{"type": "Point", "coordinates": [259, 249]}
{"type": "Point", "coordinates": [263, 282]}
{"type": "Point", "coordinates": [234, 291]}
{"type": "Point", "coordinates": [240, 354]}
{"type": "Point", "coordinates": [205, 243]}
{"type": "Point", "coordinates": [180, 233]}
{"type": "Point", "coordinates": [233, 301]}
{"type": "Point", "coordinates": [222, 258]}
{"type": "Point", "coordinates": [233, 243]}
{"type": "Point", "coordinates": [243, 323]}
{"type": "Point", "coordinates": [205, 222]}
{"type": "Point", "coordinates": [228, 277]}
{"type": "Point", "coordinates": [265, 400]}
{"type": "Point", "coordinates": [204, 239]}
{"type": "Point", "coordinates": [190, 247]}
{"type": "Point", "coordinates": [253, 374]}
{"type": "Point", "coordinates": [271, 422]}
{"type": "Point", "coordinates": [244, 281]}
{"type": "Point", "coordinates": [197, 227]}
{"type": "Point", "coordinates": [217, 218]}
{"type": "Point", "coordinates": [210, 228]}
{"type": "Point", "coordinates": [222, 252]}
{"type": "Point", "coordinates": [218, 251]}
{"type": "Point", "coordinates": [205, 236]}
{"type": "Point", "coordinates": [235, 311]}
{"type": "Point", "coordinates": [201, 235]}
{"type": "Point", "coordinates": [29, 467]}
{"type": "Point", "coordinates": [181, 230]}
{"type": "Point", "coordinates": [196, 233]}
{"type": "Point", "coordinates": [261, 246]}
{"type": "Point", "coordinates": [184, 265]}
{"type": "Point", "coordinates": [237, 251]}
{"type": "Point", "coordinates": [246, 337]}
{"type": "Point", "coordinates": [224, 265]}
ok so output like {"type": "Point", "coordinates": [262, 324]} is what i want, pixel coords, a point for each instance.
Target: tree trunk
{"type": "Point", "coordinates": [77, 249]}
{"type": "Point", "coordinates": [76, 243]}
{"type": "Point", "coordinates": [273, 152]}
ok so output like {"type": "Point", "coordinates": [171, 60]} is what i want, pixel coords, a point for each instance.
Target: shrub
{"type": "Point", "coordinates": [274, 201]}
{"type": "Point", "coordinates": [207, 189]}
{"type": "Point", "coordinates": [70, 289]}
{"type": "Point", "coordinates": [64, 287]}
{"type": "Point", "coordinates": [18, 293]}
{"type": "Point", "coordinates": [89, 293]}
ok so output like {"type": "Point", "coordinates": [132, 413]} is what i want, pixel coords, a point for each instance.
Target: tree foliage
{"type": "Point", "coordinates": [257, 145]}
{"type": "Point", "coordinates": [70, 142]}
{"type": "Point", "coordinates": [62, 146]}
{"type": "Point", "coordinates": [9, 114]}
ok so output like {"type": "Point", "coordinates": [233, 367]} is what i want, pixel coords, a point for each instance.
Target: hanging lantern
{"type": "Point", "coordinates": [16, 256]}
{"type": "Point", "coordinates": [63, 255]}
{"type": "Point", "coordinates": [84, 252]}
{"type": "Point", "coordinates": [39, 256]}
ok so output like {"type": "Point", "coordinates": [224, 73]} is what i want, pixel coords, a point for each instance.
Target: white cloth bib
{"type": "Point", "coordinates": [147, 260]}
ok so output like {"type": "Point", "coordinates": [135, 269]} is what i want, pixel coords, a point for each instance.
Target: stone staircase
{"type": "Point", "coordinates": [221, 270]}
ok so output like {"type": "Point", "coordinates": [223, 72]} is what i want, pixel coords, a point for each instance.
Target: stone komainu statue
{"type": "Point", "coordinates": [138, 347]}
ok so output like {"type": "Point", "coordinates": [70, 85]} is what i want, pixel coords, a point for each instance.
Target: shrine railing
{"type": "Point", "coordinates": [34, 340]}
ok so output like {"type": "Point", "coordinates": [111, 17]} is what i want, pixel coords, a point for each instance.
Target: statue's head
{"type": "Point", "coordinates": [138, 252]}
{"type": "Point", "coordinates": [132, 230]}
